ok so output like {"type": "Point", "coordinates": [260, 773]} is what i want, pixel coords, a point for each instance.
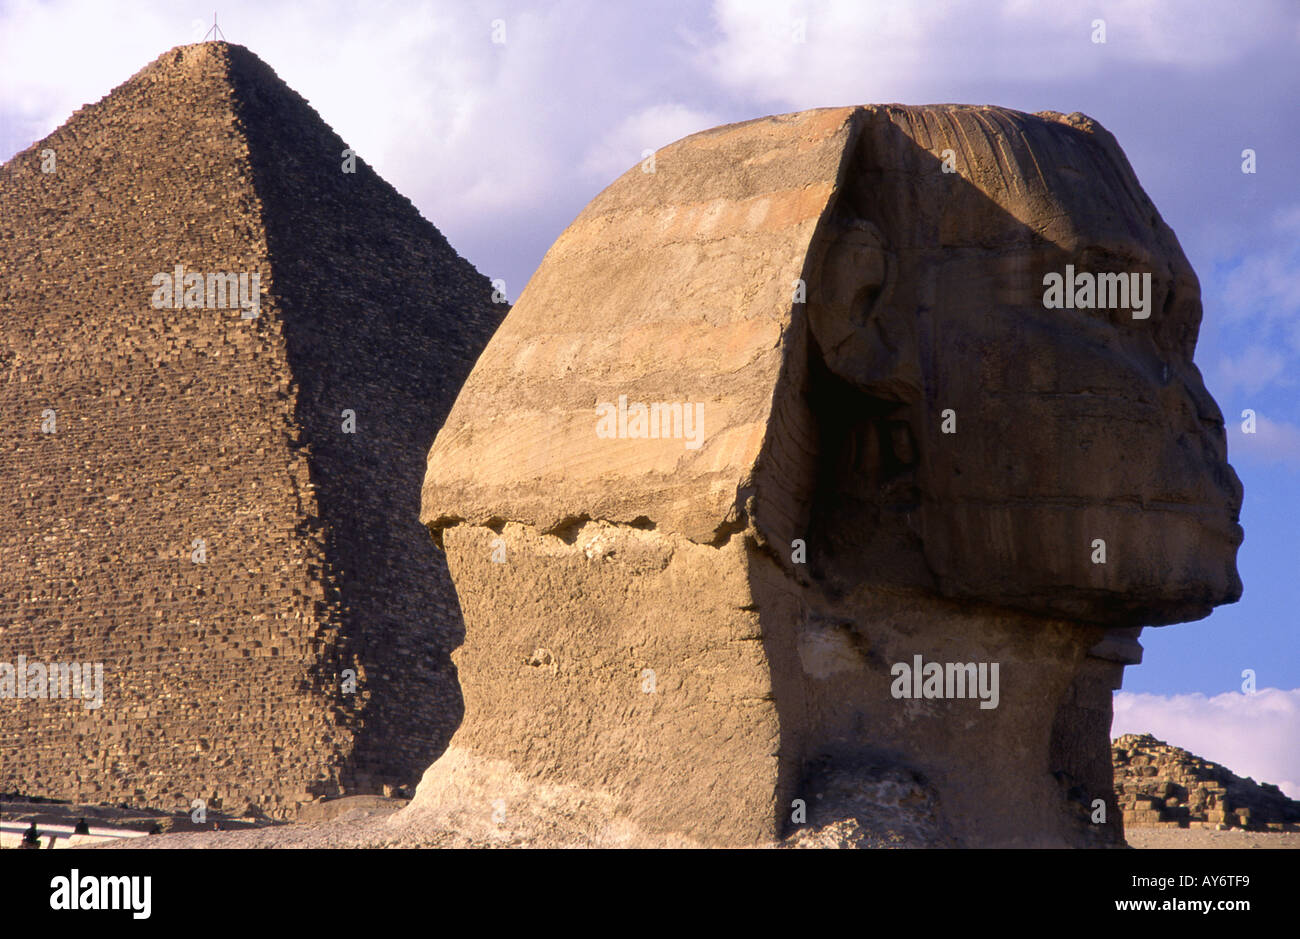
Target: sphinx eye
{"type": "Point", "coordinates": [1111, 260]}
{"type": "Point", "coordinates": [1116, 285]}
{"type": "Point", "coordinates": [865, 303]}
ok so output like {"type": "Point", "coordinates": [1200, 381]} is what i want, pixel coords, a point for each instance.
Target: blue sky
{"type": "Point", "coordinates": [500, 144]}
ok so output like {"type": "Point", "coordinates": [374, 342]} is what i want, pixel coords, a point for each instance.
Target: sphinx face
{"type": "Point", "coordinates": [1064, 458]}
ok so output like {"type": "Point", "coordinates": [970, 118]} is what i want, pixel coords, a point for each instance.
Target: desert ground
{"type": "Point", "coordinates": [1208, 838]}
{"type": "Point", "coordinates": [363, 822]}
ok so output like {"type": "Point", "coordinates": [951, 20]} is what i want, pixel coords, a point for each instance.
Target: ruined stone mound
{"type": "Point", "coordinates": [785, 468]}
{"type": "Point", "coordinates": [224, 357]}
{"type": "Point", "coordinates": [1160, 785]}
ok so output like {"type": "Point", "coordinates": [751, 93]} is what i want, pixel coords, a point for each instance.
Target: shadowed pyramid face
{"type": "Point", "coordinates": [1053, 451]}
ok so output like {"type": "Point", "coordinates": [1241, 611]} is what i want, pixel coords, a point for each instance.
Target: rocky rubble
{"type": "Point", "coordinates": [1161, 785]}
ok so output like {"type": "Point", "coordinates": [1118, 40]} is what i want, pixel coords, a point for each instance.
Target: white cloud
{"type": "Point", "coordinates": [1255, 735]}
{"type": "Point", "coordinates": [476, 133]}
{"type": "Point", "coordinates": [649, 129]}
{"type": "Point", "coordinates": [1253, 369]}
{"type": "Point", "coordinates": [400, 87]}
{"type": "Point", "coordinates": [1264, 286]}
{"type": "Point", "coordinates": [917, 51]}
{"type": "Point", "coordinates": [1287, 220]}
{"type": "Point", "coordinates": [40, 88]}
{"type": "Point", "coordinates": [1272, 442]}
{"type": "Point", "coordinates": [499, 145]}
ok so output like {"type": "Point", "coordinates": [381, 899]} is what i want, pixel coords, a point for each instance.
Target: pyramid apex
{"type": "Point", "coordinates": [196, 51]}
{"type": "Point", "coordinates": [209, 57]}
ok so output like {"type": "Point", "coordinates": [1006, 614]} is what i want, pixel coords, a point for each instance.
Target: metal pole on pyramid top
{"type": "Point", "coordinates": [215, 31]}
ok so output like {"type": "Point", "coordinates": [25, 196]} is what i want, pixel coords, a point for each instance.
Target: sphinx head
{"type": "Point", "coordinates": [977, 475]}
{"type": "Point", "coordinates": [982, 437]}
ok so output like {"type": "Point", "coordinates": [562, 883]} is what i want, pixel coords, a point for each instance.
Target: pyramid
{"type": "Point", "coordinates": [212, 492]}
{"type": "Point", "coordinates": [1164, 786]}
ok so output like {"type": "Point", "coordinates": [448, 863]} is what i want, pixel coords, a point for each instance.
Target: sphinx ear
{"type": "Point", "coordinates": [862, 339]}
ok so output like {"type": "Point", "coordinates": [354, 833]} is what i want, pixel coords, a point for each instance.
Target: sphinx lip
{"type": "Point", "coordinates": [1233, 532]}
{"type": "Point", "coordinates": [1212, 517]}
{"type": "Point", "coordinates": [1220, 525]}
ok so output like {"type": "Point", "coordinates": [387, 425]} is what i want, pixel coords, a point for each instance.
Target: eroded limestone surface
{"type": "Point", "coordinates": [900, 451]}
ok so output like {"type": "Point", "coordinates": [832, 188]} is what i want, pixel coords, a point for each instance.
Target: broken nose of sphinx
{"type": "Point", "coordinates": [1213, 436]}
